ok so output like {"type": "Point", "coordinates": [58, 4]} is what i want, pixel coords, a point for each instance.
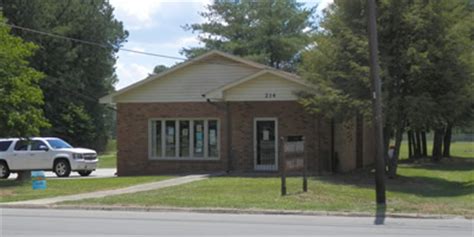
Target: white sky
{"type": "Point", "coordinates": [156, 27]}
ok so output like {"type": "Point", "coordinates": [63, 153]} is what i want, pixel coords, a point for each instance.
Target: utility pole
{"type": "Point", "coordinates": [377, 106]}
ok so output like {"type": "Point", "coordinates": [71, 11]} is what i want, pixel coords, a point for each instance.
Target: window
{"type": "Point", "coordinates": [199, 138]}
{"type": "Point", "coordinates": [184, 139]}
{"type": "Point", "coordinates": [170, 147]}
{"type": "Point", "coordinates": [4, 145]}
{"type": "Point", "coordinates": [36, 145]}
{"type": "Point", "coordinates": [58, 144]}
{"type": "Point", "coordinates": [157, 140]}
{"type": "Point", "coordinates": [212, 138]}
{"type": "Point", "coordinates": [21, 145]}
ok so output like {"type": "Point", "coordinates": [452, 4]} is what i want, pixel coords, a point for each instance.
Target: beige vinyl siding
{"type": "Point", "coordinates": [264, 88]}
{"type": "Point", "coordinates": [188, 84]}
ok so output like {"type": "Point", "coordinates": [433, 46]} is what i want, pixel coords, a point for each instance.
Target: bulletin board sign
{"type": "Point", "coordinates": [38, 180]}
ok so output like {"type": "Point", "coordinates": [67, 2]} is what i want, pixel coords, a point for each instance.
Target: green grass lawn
{"type": "Point", "coordinates": [458, 149]}
{"type": "Point", "coordinates": [108, 159]}
{"type": "Point", "coordinates": [446, 188]}
{"type": "Point", "coordinates": [12, 190]}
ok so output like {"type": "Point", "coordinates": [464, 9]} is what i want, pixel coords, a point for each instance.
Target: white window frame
{"type": "Point", "coordinates": [151, 139]}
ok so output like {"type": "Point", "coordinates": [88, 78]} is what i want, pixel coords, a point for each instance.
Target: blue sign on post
{"type": "Point", "coordinates": [39, 180]}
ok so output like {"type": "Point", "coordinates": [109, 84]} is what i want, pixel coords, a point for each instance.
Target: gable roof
{"type": "Point", "coordinates": [285, 75]}
{"type": "Point", "coordinates": [213, 53]}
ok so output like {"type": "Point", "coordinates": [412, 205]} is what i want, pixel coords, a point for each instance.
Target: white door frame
{"type": "Point", "coordinates": [265, 167]}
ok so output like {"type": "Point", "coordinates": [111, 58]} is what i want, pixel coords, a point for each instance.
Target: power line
{"type": "Point", "coordinates": [89, 42]}
{"type": "Point", "coordinates": [105, 46]}
{"type": "Point", "coordinates": [90, 98]}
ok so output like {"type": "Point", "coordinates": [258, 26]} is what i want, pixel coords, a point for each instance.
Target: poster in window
{"type": "Point", "coordinates": [184, 132]}
{"type": "Point", "coordinates": [266, 135]}
{"type": "Point", "coordinates": [199, 141]}
{"type": "Point", "coordinates": [213, 137]}
{"type": "Point", "coordinates": [170, 137]}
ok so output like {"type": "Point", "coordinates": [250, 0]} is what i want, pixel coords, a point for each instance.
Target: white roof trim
{"type": "Point", "coordinates": [218, 93]}
{"type": "Point", "coordinates": [109, 98]}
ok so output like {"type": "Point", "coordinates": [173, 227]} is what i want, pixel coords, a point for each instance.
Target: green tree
{"type": "Point", "coordinates": [21, 99]}
{"type": "Point", "coordinates": [159, 69]}
{"type": "Point", "coordinates": [426, 76]}
{"type": "Point", "coordinates": [271, 32]}
{"type": "Point", "coordinates": [76, 73]}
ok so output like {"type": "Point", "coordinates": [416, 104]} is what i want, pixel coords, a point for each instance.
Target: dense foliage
{"type": "Point", "coordinates": [270, 32]}
{"type": "Point", "coordinates": [425, 52]}
{"type": "Point", "coordinates": [20, 96]}
{"type": "Point", "coordinates": [76, 73]}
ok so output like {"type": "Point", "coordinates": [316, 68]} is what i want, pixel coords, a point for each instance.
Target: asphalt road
{"type": "Point", "coordinates": [43, 222]}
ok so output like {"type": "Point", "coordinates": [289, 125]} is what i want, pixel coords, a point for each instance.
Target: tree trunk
{"type": "Point", "coordinates": [424, 148]}
{"type": "Point", "coordinates": [437, 144]}
{"type": "Point", "coordinates": [410, 145]}
{"type": "Point", "coordinates": [447, 141]}
{"type": "Point", "coordinates": [418, 145]}
{"type": "Point", "coordinates": [386, 143]}
{"type": "Point", "coordinates": [398, 141]}
{"type": "Point", "coordinates": [24, 176]}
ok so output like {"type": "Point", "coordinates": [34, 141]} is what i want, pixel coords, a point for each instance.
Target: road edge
{"type": "Point", "coordinates": [233, 211]}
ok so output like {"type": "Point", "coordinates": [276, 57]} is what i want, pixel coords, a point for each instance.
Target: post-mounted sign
{"type": "Point", "coordinates": [293, 158]}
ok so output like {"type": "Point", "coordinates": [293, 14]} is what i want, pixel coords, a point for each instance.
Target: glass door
{"type": "Point", "coordinates": [266, 144]}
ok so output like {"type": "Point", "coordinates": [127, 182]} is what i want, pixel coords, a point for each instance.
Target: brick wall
{"type": "Point", "coordinates": [132, 134]}
{"type": "Point", "coordinates": [132, 138]}
{"type": "Point", "coordinates": [292, 120]}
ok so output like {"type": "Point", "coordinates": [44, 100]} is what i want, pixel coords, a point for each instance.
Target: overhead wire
{"type": "Point", "coordinates": [90, 42]}
{"type": "Point", "coordinates": [85, 96]}
{"type": "Point", "coordinates": [107, 46]}
{"type": "Point", "coordinates": [102, 46]}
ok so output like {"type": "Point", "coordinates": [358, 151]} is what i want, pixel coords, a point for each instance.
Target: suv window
{"type": "Point", "coordinates": [21, 145]}
{"type": "Point", "coordinates": [5, 145]}
{"type": "Point", "coordinates": [35, 145]}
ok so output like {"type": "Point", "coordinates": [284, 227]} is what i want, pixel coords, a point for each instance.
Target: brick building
{"type": "Point", "coordinates": [218, 112]}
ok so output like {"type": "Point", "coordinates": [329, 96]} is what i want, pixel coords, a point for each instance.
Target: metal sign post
{"type": "Point", "coordinates": [283, 168]}
{"type": "Point", "coordinates": [305, 169]}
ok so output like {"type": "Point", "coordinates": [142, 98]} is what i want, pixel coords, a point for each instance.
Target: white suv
{"type": "Point", "coordinates": [45, 153]}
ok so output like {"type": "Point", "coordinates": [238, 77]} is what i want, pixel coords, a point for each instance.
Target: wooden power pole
{"type": "Point", "coordinates": [377, 106]}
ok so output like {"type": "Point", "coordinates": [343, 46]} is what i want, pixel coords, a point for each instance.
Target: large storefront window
{"type": "Point", "coordinates": [184, 138]}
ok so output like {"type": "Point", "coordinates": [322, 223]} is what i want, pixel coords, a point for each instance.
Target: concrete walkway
{"type": "Point", "coordinates": [100, 194]}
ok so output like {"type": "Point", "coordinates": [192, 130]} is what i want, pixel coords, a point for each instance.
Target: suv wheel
{"type": "Point", "coordinates": [4, 170]}
{"type": "Point", "coordinates": [84, 172]}
{"type": "Point", "coordinates": [62, 168]}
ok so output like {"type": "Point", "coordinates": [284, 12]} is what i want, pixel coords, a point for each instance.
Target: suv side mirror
{"type": "Point", "coordinates": [43, 148]}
